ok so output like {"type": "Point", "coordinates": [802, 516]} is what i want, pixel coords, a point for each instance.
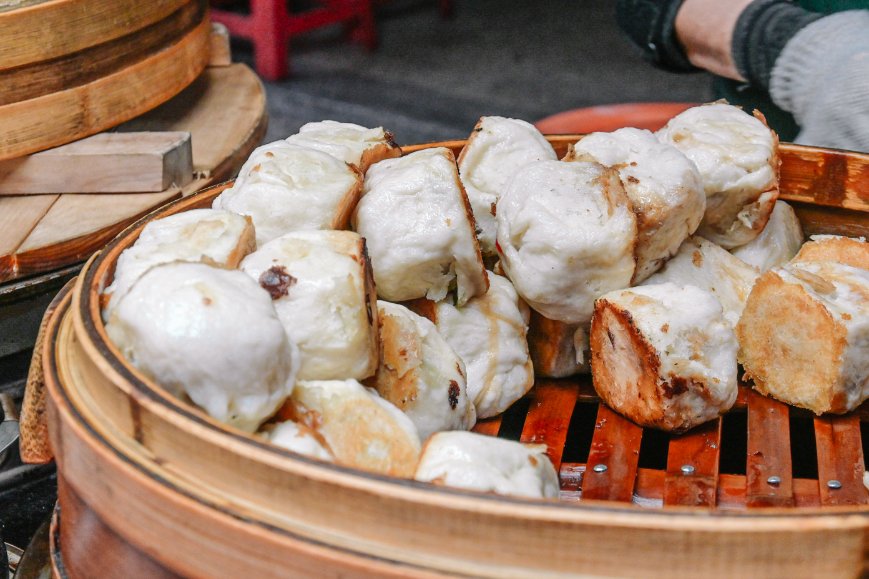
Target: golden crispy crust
{"type": "Point", "coordinates": [387, 150]}
{"type": "Point", "coordinates": [791, 346]}
{"type": "Point", "coordinates": [477, 128]}
{"type": "Point", "coordinates": [423, 307]}
{"type": "Point", "coordinates": [840, 249]}
{"type": "Point", "coordinates": [352, 427]}
{"type": "Point", "coordinates": [348, 204]}
{"type": "Point", "coordinates": [765, 210]}
{"type": "Point", "coordinates": [246, 245]}
{"type": "Point", "coordinates": [472, 223]}
{"type": "Point", "coordinates": [397, 377]}
{"type": "Point", "coordinates": [370, 305]}
{"type": "Point", "coordinates": [551, 346]}
{"type": "Point", "coordinates": [625, 367]}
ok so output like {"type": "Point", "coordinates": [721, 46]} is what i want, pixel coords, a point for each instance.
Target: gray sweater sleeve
{"type": "Point", "coordinates": [822, 78]}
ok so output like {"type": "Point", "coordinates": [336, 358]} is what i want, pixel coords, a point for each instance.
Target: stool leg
{"type": "Point", "coordinates": [446, 9]}
{"type": "Point", "coordinates": [269, 21]}
{"type": "Point", "coordinates": [363, 28]}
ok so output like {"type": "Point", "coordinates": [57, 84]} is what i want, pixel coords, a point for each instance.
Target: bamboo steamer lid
{"type": "Point", "coordinates": [72, 68]}
{"type": "Point", "coordinates": [180, 494]}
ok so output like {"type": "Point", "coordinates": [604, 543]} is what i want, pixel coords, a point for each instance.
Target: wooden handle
{"type": "Point", "coordinates": [34, 444]}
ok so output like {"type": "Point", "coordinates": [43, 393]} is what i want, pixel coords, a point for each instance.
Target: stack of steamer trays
{"type": "Point", "coordinates": [108, 109]}
{"type": "Point", "coordinates": [70, 69]}
{"type": "Point", "coordinates": [163, 489]}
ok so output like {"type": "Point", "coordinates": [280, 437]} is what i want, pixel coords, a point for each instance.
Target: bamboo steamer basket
{"type": "Point", "coordinates": [161, 489]}
{"type": "Point", "coordinates": [88, 65]}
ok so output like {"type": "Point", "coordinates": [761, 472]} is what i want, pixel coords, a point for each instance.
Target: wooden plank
{"type": "Point", "coordinates": [840, 458]}
{"type": "Point", "coordinates": [586, 393]}
{"type": "Point", "coordinates": [78, 225]}
{"type": "Point", "coordinates": [18, 217]}
{"type": "Point", "coordinates": [219, 47]}
{"type": "Point", "coordinates": [833, 178]}
{"type": "Point", "coordinates": [549, 417]}
{"type": "Point", "coordinates": [692, 467]}
{"type": "Point", "coordinates": [201, 110]}
{"type": "Point", "coordinates": [769, 453]}
{"type": "Point", "coordinates": [731, 492]}
{"type": "Point", "coordinates": [616, 446]}
{"type": "Point", "coordinates": [112, 99]}
{"type": "Point", "coordinates": [103, 163]}
{"type": "Point", "coordinates": [806, 493]}
{"type": "Point", "coordinates": [649, 492]}
{"type": "Point", "coordinates": [823, 220]}
{"type": "Point", "coordinates": [570, 476]}
{"type": "Point", "coordinates": [216, 145]}
{"type": "Point", "coordinates": [32, 34]}
{"type": "Point", "coordinates": [742, 394]}
{"type": "Point", "coordinates": [490, 426]}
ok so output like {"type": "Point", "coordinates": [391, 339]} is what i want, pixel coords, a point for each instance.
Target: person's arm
{"type": "Point", "coordinates": [822, 78]}
{"type": "Point", "coordinates": [704, 29]}
{"type": "Point", "coordinates": [738, 39]}
{"type": "Point", "coordinates": [815, 66]}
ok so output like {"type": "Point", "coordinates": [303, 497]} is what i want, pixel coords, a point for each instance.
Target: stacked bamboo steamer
{"type": "Point", "coordinates": [72, 68]}
{"type": "Point", "coordinates": [164, 490]}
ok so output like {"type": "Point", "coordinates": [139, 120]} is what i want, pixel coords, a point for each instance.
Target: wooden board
{"type": "Point", "coordinates": [221, 53]}
{"type": "Point", "coordinates": [18, 217]}
{"type": "Point", "coordinates": [201, 109]}
{"type": "Point", "coordinates": [103, 163]}
{"type": "Point", "coordinates": [106, 101]}
{"type": "Point", "coordinates": [78, 224]}
{"type": "Point", "coordinates": [76, 228]}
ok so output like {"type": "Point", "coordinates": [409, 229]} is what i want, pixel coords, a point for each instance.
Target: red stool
{"type": "Point", "coordinates": [651, 116]}
{"type": "Point", "coordinates": [270, 25]}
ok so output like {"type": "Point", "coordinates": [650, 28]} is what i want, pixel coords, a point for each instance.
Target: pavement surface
{"type": "Point", "coordinates": [432, 78]}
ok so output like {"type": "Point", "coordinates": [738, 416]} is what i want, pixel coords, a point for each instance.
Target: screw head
{"type": "Point", "coordinates": [599, 468]}
{"type": "Point", "coordinates": [687, 469]}
{"type": "Point", "coordinates": [773, 480]}
{"type": "Point", "coordinates": [834, 484]}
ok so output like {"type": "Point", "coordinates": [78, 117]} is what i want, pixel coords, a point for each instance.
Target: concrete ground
{"type": "Point", "coordinates": [431, 79]}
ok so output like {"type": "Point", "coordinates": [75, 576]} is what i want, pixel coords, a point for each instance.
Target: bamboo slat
{"type": "Point", "coordinates": [692, 467]}
{"type": "Point", "coordinates": [612, 462]}
{"type": "Point", "coordinates": [549, 417]}
{"type": "Point", "coordinates": [490, 426]}
{"type": "Point", "coordinates": [840, 460]}
{"type": "Point", "coordinates": [768, 468]}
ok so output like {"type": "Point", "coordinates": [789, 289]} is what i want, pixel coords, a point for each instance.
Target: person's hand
{"type": "Point", "coordinates": [649, 24]}
{"type": "Point", "coordinates": [704, 29]}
